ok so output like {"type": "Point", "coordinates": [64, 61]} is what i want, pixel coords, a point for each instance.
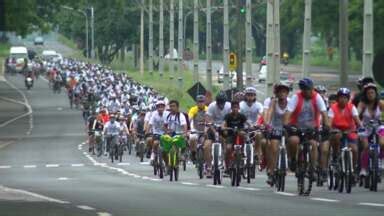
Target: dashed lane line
{"type": "Point", "coordinates": [189, 183]}
{"type": "Point", "coordinates": [39, 196]}
{"type": "Point", "coordinates": [215, 186]}
{"type": "Point", "coordinates": [84, 207]}
{"type": "Point", "coordinates": [323, 199]}
{"type": "Point", "coordinates": [52, 165]}
{"type": "Point", "coordinates": [371, 204]}
{"type": "Point", "coordinates": [249, 188]}
{"type": "Point", "coordinates": [5, 167]}
{"type": "Point", "coordinates": [29, 166]}
{"type": "Point", "coordinates": [77, 165]}
{"type": "Point", "coordinates": [103, 214]}
{"type": "Point", "coordinates": [285, 193]}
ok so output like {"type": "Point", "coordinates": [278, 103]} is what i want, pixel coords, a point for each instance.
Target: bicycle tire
{"type": "Point", "coordinates": [176, 173]}
{"type": "Point", "coordinates": [200, 162]}
{"type": "Point", "coordinates": [233, 177]}
{"type": "Point", "coordinates": [330, 179]}
{"type": "Point", "coordinates": [238, 176]}
{"type": "Point", "coordinates": [216, 171]}
{"type": "Point", "coordinates": [348, 175]}
{"type": "Point", "coordinates": [170, 174]}
{"type": "Point", "coordinates": [341, 183]}
{"type": "Point", "coordinates": [373, 172]}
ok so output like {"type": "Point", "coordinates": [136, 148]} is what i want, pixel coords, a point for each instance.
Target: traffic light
{"type": "Point", "coordinates": [242, 10]}
{"type": "Point", "coordinates": [232, 59]}
{"type": "Point", "coordinates": [242, 6]}
{"type": "Point", "coordinates": [232, 62]}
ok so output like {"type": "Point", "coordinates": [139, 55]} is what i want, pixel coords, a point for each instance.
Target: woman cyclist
{"type": "Point", "coordinates": [370, 108]}
{"type": "Point", "coordinates": [276, 110]}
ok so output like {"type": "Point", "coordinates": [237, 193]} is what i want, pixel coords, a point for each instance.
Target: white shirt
{"type": "Point", "coordinates": [148, 116]}
{"type": "Point", "coordinates": [251, 112]}
{"type": "Point", "coordinates": [157, 122]}
{"type": "Point", "coordinates": [112, 128]}
{"type": "Point", "coordinates": [267, 102]}
{"type": "Point", "coordinates": [176, 122]}
{"type": "Point", "coordinates": [217, 114]}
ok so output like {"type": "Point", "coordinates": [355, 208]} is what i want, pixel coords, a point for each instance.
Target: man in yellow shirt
{"type": "Point", "coordinates": [197, 117]}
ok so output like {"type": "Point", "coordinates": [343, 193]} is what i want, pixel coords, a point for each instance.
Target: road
{"type": "Point", "coordinates": [46, 169]}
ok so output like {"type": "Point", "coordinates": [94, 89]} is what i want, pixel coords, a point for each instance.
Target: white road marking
{"type": "Point", "coordinates": [189, 183]}
{"type": "Point", "coordinates": [84, 207]}
{"type": "Point", "coordinates": [29, 166]}
{"type": "Point", "coordinates": [77, 165]}
{"type": "Point", "coordinates": [324, 199]}
{"type": "Point", "coordinates": [285, 193]}
{"type": "Point", "coordinates": [144, 163]}
{"type": "Point", "coordinates": [155, 179]}
{"type": "Point", "coordinates": [52, 165]}
{"type": "Point", "coordinates": [123, 164]}
{"type": "Point", "coordinates": [103, 214]}
{"type": "Point", "coordinates": [63, 179]}
{"type": "Point", "coordinates": [26, 104]}
{"type": "Point", "coordinates": [145, 177]}
{"type": "Point", "coordinates": [59, 108]}
{"type": "Point", "coordinates": [5, 167]}
{"type": "Point", "coordinates": [371, 204]}
{"type": "Point", "coordinates": [249, 188]}
{"type": "Point", "coordinates": [215, 186]}
{"type": "Point", "coordinates": [49, 199]}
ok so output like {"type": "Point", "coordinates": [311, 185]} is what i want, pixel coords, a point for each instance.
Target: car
{"type": "Point", "coordinates": [262, 74]}
{"type": "Point", "coordinates": [38, 41]}
{"type": "Point", "coordinates": [17, 60]}
{"type": "Point", "coordinates": [51, 55]}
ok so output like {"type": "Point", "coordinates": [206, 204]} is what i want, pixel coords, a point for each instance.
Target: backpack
{"type": "Point", "coordinates": [178, 118]}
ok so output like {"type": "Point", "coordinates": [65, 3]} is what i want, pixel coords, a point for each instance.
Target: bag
{"type": "Point", "coordinates": [178, 119]}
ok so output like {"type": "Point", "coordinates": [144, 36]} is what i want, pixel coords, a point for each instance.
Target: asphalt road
{"type": "Point", "coordinates": [47, 160]}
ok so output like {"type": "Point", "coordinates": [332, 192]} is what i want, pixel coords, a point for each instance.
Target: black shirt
{"type": "Point", "coordinates": [235, 121]}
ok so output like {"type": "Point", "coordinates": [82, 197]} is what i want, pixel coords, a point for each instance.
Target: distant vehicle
{"type": "Point", "coordinates": [175, 55]}
{"type": "Point", "coordinates": [262, 73]}
{"type": "Point", "coordinates": [285, 77]}
{"type": "Point", "coordinates": [17, 60]}
{"type": "Point", "coordinates": [51, 55]}
{"type": "Point", "coordinates": [38, 41]}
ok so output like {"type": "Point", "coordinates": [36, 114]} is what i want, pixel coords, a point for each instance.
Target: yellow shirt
{"type": "Point", "coordinates": [194, 110]}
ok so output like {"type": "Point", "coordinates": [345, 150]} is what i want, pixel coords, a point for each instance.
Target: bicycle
{"type": "Point", "coordinates": [237, 158]}
{"type": "Point", "coordinates": [374, 173]}
{"type": "Point", "coordinates": [341, 167]}
{"type": "Point", "coordinates": [282, 162]}
{"type": "Point", "coordinates": [113, 147]}
{"type": "Point", "coordinates": [173, 146]}
{"type": "Point", "coordinates": [99, 143]}
{"type": "Point", "coordinates": [217, 159]}
{"type": "Point", "coordinates": [249, 157]}
{"type": "Point", "coordinates": [200, 153]}
{"type": "Point", "coordinates": [141, 146]}
{"type": "Point", "coordinates": [120, 149]}
{"type": "Point", "coordinates": [305, 167]}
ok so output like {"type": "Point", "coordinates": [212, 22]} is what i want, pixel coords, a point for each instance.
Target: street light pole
{"type": "Point", "coordinates": [307, 38]}
{"type": "Point", "coordinates": [368, 38]}
{"type": "Point", "coordinates": [142, 38]}
{"type": "Point", "coordinates": [195, 41]}
{"type": "Point", "coordinates": [248, 43]}
{"type": "Point", "coordinates": [270, 48]}
{"type": "Point", "coordinates": [92, 33]}
{"type": "Point", "coordinates": [343, 34]}
{"type": "Point", "coordinates": [226, 78]}
{"type": "Point", "coordinates": [171, 40]}
{"type": "Point", "coordinates": [161, 38]}
{"type": "Point", "coordinates": [180, 45]}
{"type": "Point", "coordinates": [209, 47]}
{"type": "Point", "coordinates": [150, 44]}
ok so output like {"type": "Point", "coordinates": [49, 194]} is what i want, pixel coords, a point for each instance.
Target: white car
{"type": "Point", "coordinates": [38, 41]}
{"type": "Point", "coordinates": [285, 77]}
{"type": "Point", "coordinates": [262, 74]}
{"type": "Point", "coordinates": [17, 58]}
{"type": "Point", "coordinates": [48, 55]}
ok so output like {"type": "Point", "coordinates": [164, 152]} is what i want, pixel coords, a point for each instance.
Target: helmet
{"type": "Point", "coordinates": [160, 102]}
{"type": "Point", "coordinates": [305, 83]}
{"type": "Point", "coordinates": [239, 96]}
{"type": "Point", "coordinates": [321, 89]}
{"type": "Point", "coordinates": [344, 92]}
{"type": "Point", "coordinates": [200, 98]}
{"type": "Point", "coordinates": [250, 90]}
{"type": "Point", "coordinates": [370, 85]}
{"type": "Point", "coordinates": [221, 97]}
{"type": "Point", "coordinates": [279, 86]}
{"type": "Point", "coordinates": [362, 81]}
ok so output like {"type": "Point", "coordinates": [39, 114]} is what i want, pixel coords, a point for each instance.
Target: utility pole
{"type": "Point", "coordinates": [150, 44]}
{"type": "Point", "coordinates": [195, 40]}
{"type": "Point", "coordinates": [209, 47]}
{"type": "Point", "coordinates": [239, 44]}
{"type": "Point", "coordinates": [92, 33]}
{"type": "Point", "coordinates": [270, 48]}
{"type": "Point", "coordinates": [276, 20]}
{"type": "Point", "coordinates": [86, 35]}
{"type": "Point", "coordinates": [180, 46]}
{"type": "Point", "coordinates": [227, 78]}
{"type": "Point", "coordinates": [248, 43]}
{"type": "Point", "coordinates": [171, 40]}
{"type": "Point", "coordinates": [161, 38]}
{"type": "Point", "coordinates": [343, 34]}
{"type": "Point", "coordinates": [142, 37]}
{"type": "Point", "coordinates": [307, 37]}
{"type": "Point", "coordinates": [368, 38]}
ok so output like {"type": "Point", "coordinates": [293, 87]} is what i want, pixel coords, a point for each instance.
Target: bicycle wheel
{"type": "Point", "coordinates": [341, 183]}
{"type": "Point", "coordinates": [200, 162]}
{"type": "Point", "coordinates": [121, 152]}
{"type": "Point", "coordinates": [176, 173]}
{"type": "Point", "coordinates": [170, 174]}
{"type": "Point", "coordinates": [216, 170]}
{"type": "Point", "coordinates": [300, 174]}
{"type": "Point", "coordinates": [233, 177]}
{"type": "Point", "coordinates": [248, 163]}
{"type": "Point", "coordinates": [330, 179]}
{"type": "Point", "coordinates": [348, 175]}
{"type": "Point", "coordinates": [373, 172]}
{"type": "Point", "coordinates": [238, 176]}
{"type": "Point", "coordinates": [141, 151]}
{"type": "Point", "coordinates": [111, 153]}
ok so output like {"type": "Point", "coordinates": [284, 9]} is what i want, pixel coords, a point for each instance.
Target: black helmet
{"type": "Point", "coordinates": [362, 81]}
{"type": "Point", "coordinates": [320, 89]}
{"type": "Point", "coordinates": [221, 97]}
{"type": "Point", "coordinates": [306, 83]}
{"type": "Point", "coordinates": [344, 92]}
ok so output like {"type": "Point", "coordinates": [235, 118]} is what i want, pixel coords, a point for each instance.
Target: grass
{"type": "Point", "coordinates": [4, 50]}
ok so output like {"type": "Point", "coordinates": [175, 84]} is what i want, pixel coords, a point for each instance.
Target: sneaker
{"type": "Point", "coordinates": [208, 173]}
{"type": "Point", "coordinates": [193, 157]}
{"type": "Point", "coordinates": [148, 154]}
{"type": "Point", "coordinates": [270, 180]}
{"type": "Point", "coordinates": [226, 173]}
{"type": "Point", "coordinates": [262, 164]}
{"type": "Point", "coordinates": [152, 156]}
{"type": "Point", "coordinates": [363, 172]}
{"type": "Point", "coordinates": [324, 176]}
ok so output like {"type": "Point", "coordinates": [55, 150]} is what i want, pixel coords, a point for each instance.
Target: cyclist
{"type": "Point", "coordinates": [322, 90]}
{"type": "Point", "coordinates": [274, 121]}
{"type": "Point", "coordinates": [304, 110]}
{"type": "Point", "coordinates": [215, 114]}
{"type": "Point", "coordinates": [156, 124]}
{"type": "Point", "coordinates": [371, 107]}
{"type": "Point", "coordinates": [344, 117]}
{"type": "Point", "coordinates": [233, 120]}
{"type": "Point", "coordinates": [94, 124]}
{"type": "Point", "coordinates": [361, 82]}
{"type": "Point", "coordinates": [138, 128]}
{"type": "Point", "coordinates": [111, 131]}
{"type": "Point", "coordinates": [252, 109]}
{"type": "Point", "coordinates": [147, 118]}
{"type": "Point", "coordinates": [197, 115]}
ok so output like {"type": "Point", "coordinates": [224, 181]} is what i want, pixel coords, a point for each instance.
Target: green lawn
{"type": "Point", "coordinates": [4, 50]}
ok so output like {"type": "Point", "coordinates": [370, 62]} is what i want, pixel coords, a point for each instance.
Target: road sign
{"type": "Point", "coordinates": [197, 89]}
{"type": "Point", "coordinates": [232, 61]}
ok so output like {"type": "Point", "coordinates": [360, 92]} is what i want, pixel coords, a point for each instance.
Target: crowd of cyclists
{"type": "Point", "coordinates": [319, 136]}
